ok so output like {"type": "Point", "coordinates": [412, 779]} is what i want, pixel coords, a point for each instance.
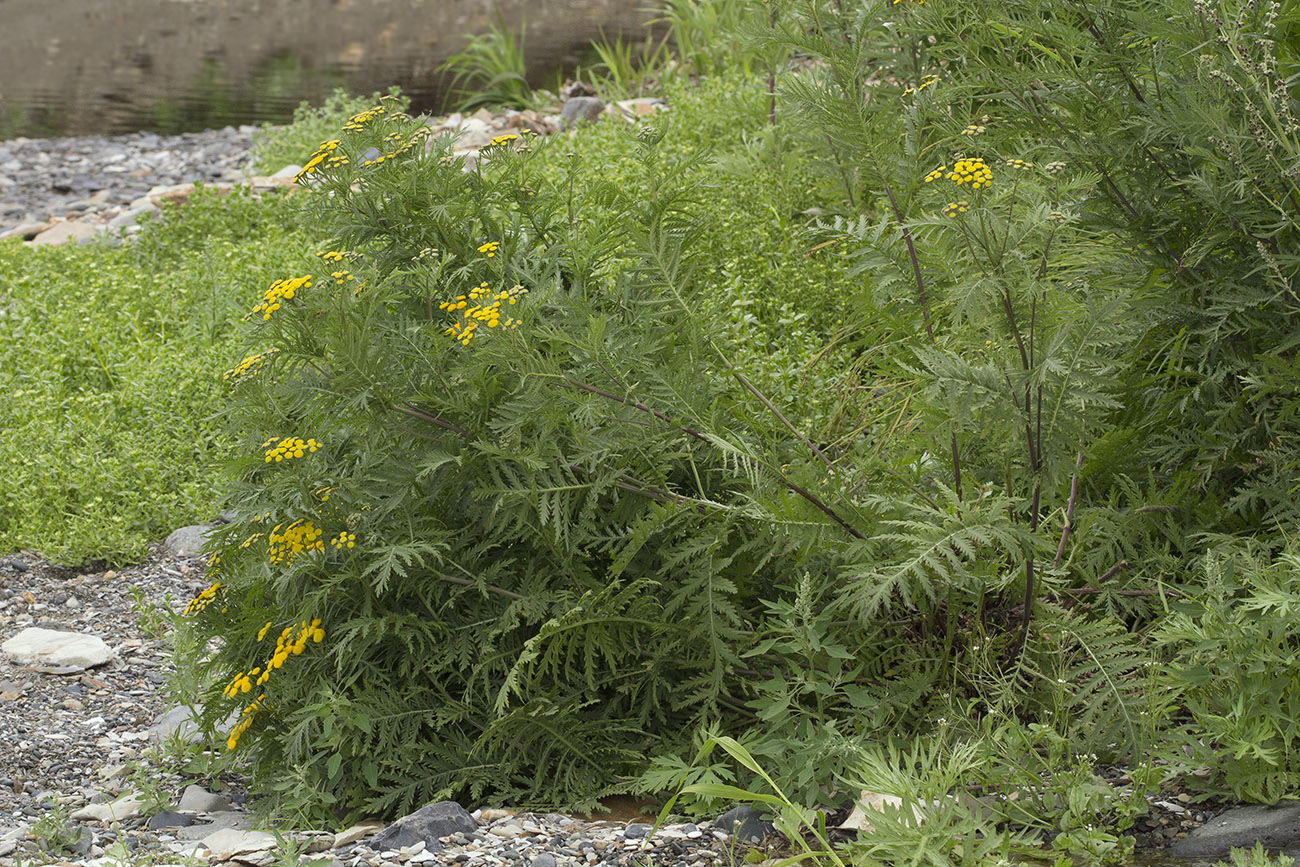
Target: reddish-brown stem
{"type": "Point", "coordinates": [740, 377]}
{"type": "Point", "coordinates": [425, 415]}
{"type": "Point", "coordinates": [911, 255]}
{"type": "Point", "coordinates": [1069, 510]}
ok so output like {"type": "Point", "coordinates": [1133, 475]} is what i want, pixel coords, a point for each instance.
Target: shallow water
{"type": "Point", "coordinates": [71, 67]}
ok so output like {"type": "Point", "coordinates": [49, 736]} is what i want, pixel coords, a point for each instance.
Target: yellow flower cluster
{"type": "Point", "coordinates": [1020, 165]}
{"type": "Point", "coordinates": [325, 156]}
{"type": "Point", "coordinates": [343, 540]}
{"type": "Point", "coordinates": [952, 209]}
{"type": "Point", "coordinates": [289, 447]}
{"type": "Point", "coordinates": [204, 599]}
{"type": "Point", "coordinates": [490, 248]}
{"type": "Point", "coordinates": [300, 536]}
{"type": "Point", "coordinates": [503, 139]}
{"type": "Point", "coordinates": [281, 290]}
{"type": "Point", "coordinates": [248, 368]}
{"type": "Point", "coordinates": [336, 255]}
{"type": "Point", "coordinates": [341, 277]}
{"type": "Point", "coordinates": [392, 138]}
{"type": "Point", "coordinates": [486, 311]}
{"type": "Point", "coordinates": [971, 171]}
{"type": "Point", "coordinates": [917, 2]}
{"type": "Point", "coordinates": [427, 252]}
{"type": "Point", "coordinates": [935, 175]}
{"type": "Point", "coordinates": [973, 129]}
{"type": "Point", "coordinates": [292, 641]}
{"type": "Point", "coordinates": [928, 81]}
{"type": "Point", "coordinates": [358, 122]}
{"type": "Point", "coordinates": [1058, 217]}
{"type": "Point", "coordinates": [245, 720]}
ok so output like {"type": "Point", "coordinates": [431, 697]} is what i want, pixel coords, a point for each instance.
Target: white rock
{"type": "Point", "coordinates": [53, 647]}
{"type": "Point", "coordinates": [875, 802]}
{"type": "Point", "coordinates": [229, 843]}
{"type": "Point", "coordinates": [125, 807]}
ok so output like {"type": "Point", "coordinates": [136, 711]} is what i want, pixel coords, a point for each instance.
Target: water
{"type": "Point", "coordinates": [71, 67]}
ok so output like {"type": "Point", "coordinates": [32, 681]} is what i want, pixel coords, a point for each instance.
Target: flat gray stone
{"type": "Point", "coordinates": [356, 833]}
{"type": "Point", "coordinates": [231, 820]}
{"type": "Point", "coordinates": [426, 825]}
{"type": "Point", "coordinates": [54, 647]}
{"type": "Point", "coordinates": [126, 807]}
{"type": "Point", "coordinates": [187, 541]}
{"type": "Point", "coordinates": [168, 819]}
{"type": "Point", "coordinates": [197, 799]}
{"type": "Point", "coordinates": [176, 721]}
{"type": "Point", "coordinates": [229, 843]}
{"type": "Point", "coordinates": [1277, 828]}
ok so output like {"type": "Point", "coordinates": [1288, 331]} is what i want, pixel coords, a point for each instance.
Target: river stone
{"type": "Point", "coordinates": [1242, 827]}
{"type": "Point", "coordinates": [745, 824]}
{"type": "Point", "coordinates": [357, 832]}
{"type": "Point", "coordinates": [26, 231]}
{"type": "Point", "coordinates": [126, 807]}
{"type": "Point", "coordinates": [54, 647]}
{"type": "Point", "coordinates": [228, 844]}
{"type": "Point", "coordinates": [187, 541]}
{"type": "Point", "coordinates": [581, 108]}
{"type": "Point", "coordinates": [197, 799]}
{"type": "Point", "coordinates": [427, 824]}
{"type": "Point", "coordinates": [61, 233]}
{"type": "Point", "coordinates": [168, 819]}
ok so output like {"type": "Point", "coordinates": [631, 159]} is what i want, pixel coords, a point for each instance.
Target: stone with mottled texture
{"type": "Point", "coordinates": [38, 646]}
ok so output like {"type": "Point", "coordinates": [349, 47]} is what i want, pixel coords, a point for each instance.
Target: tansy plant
{"type": "Point", "coordinates": [503, 485]}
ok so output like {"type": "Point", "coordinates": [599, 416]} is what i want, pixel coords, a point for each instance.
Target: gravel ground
{"type": "Point", "coordinates": [66, 731]}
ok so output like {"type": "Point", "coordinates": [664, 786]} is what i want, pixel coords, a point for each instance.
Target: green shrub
{"type": "Point", "coordinates": [1235, 671]}
{"type": "Point", "coordinates": [502, 496]}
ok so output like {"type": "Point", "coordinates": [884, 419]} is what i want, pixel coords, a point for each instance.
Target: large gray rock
{"type": "Point", "coordinates": [54, 647]}
{"type": "Point", "coordinates": [187, 541]}
{"type": "Point", "coordinates": [745, 824]}
{"type": "Point", "coordinates": [580, 109]}
{"type": "Point", "coordinates": [197, 799]}
{"type": "Point", "coordinates": [1242, 827]}
{"type": "Point", "coordinates": [426, 825]}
